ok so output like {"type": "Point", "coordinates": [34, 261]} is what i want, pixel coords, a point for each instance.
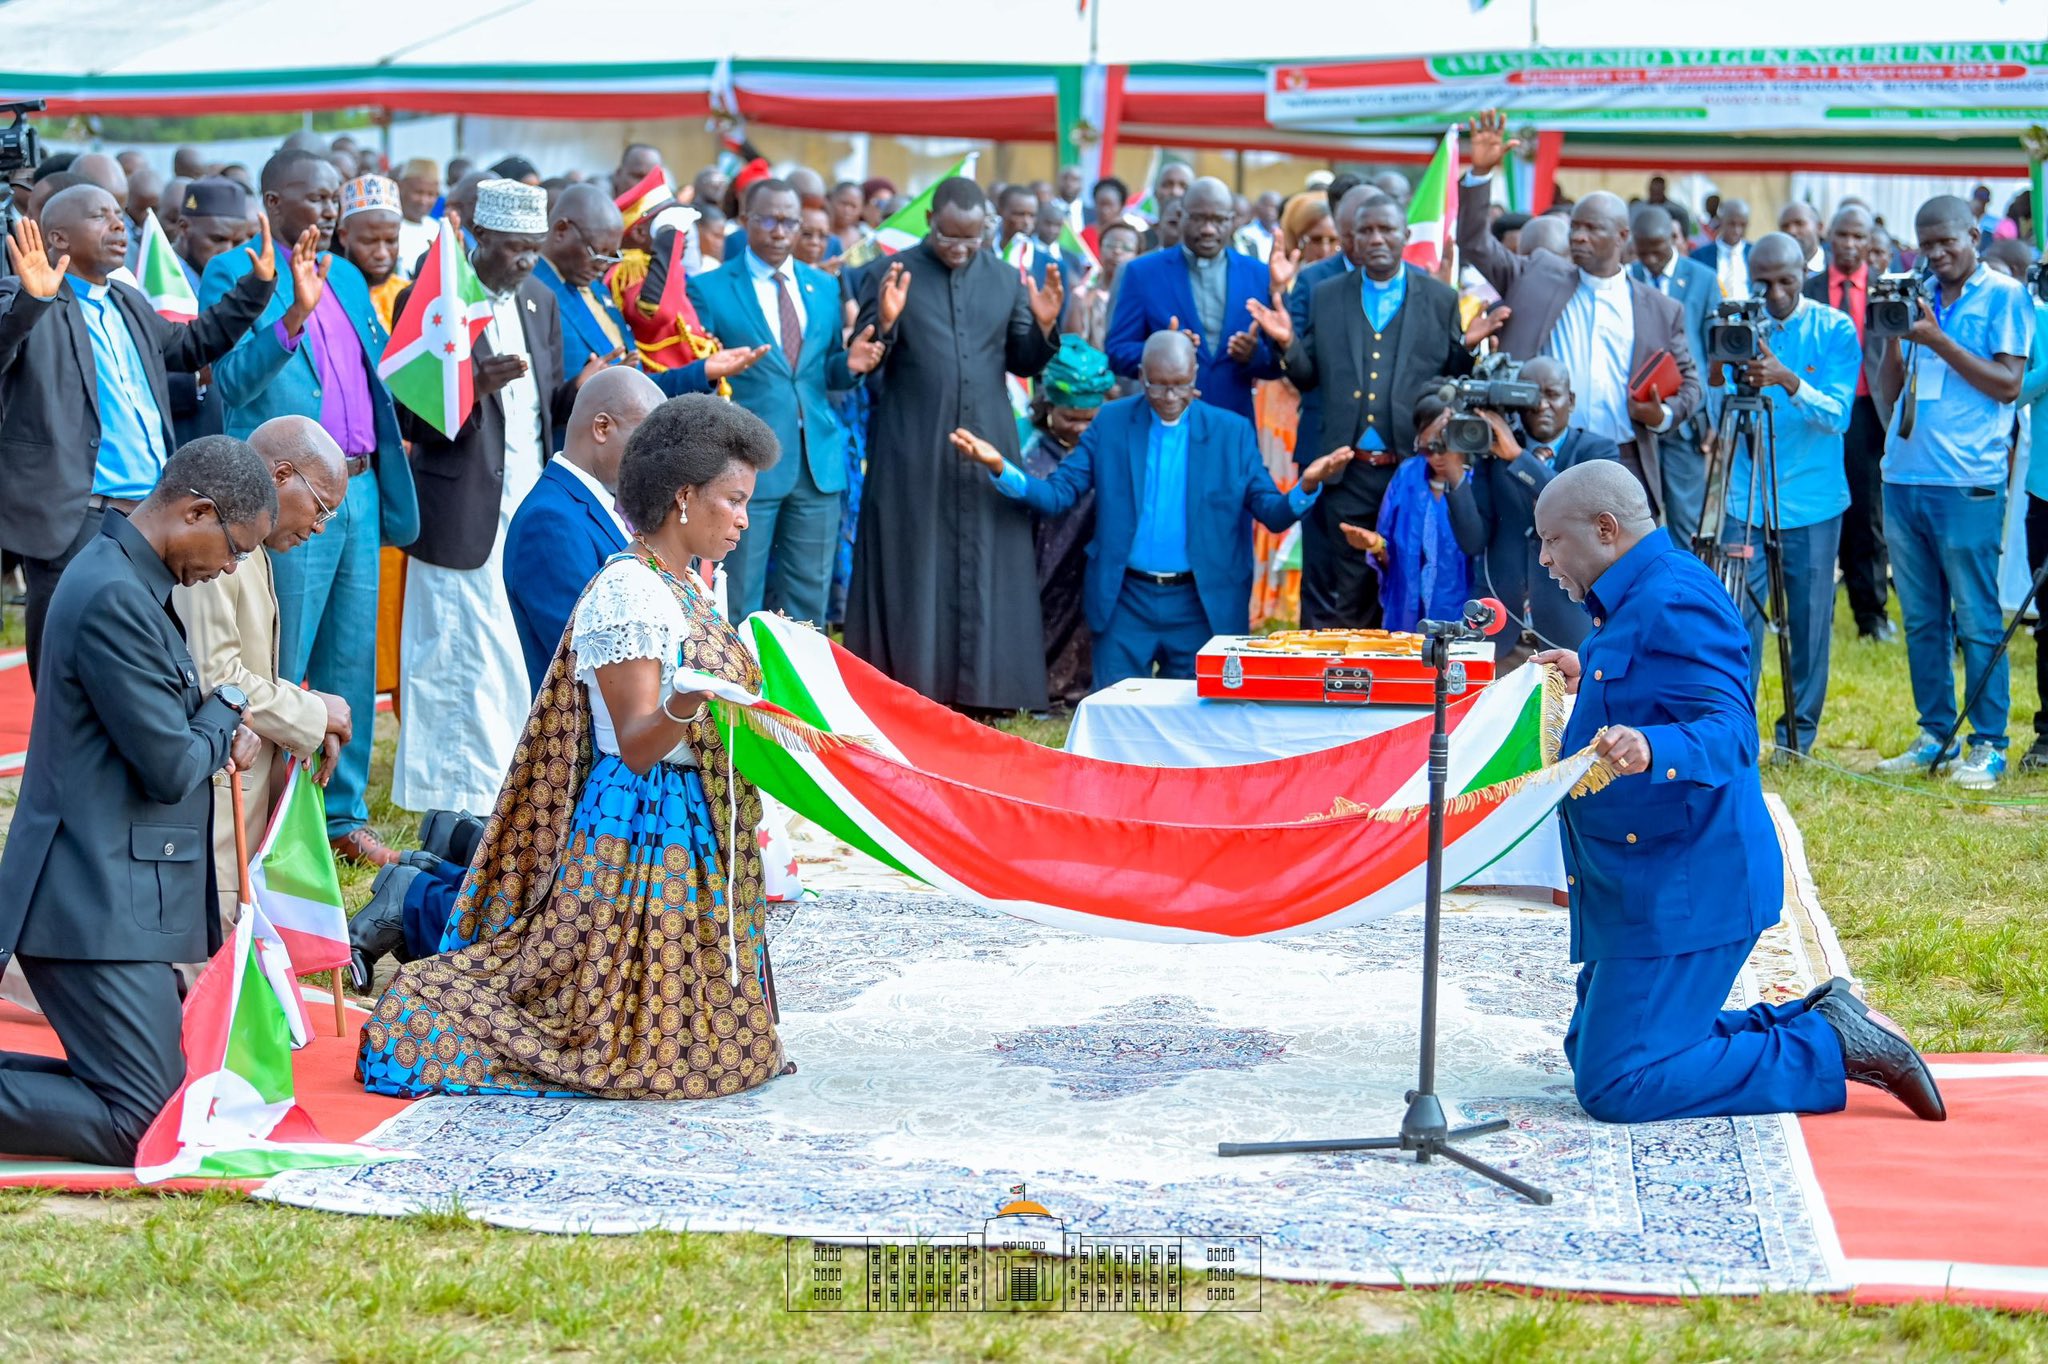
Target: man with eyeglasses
{"type": "Point", "coordinates": [1201, 287]}
{"type": "Point", "coordinates": [584, 238]}
{"type": "Point", "coordinates": [231, 629]}
{"type": "Point", "coordinates": [106, 882]}
{"type": "Point", "coordinates": [1177, 485]}
{"type": "Point", "coordinates": [766, 298]}
{"type": "Point", "coordinates": [314, 353]}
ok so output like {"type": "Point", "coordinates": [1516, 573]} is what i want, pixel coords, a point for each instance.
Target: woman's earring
{"type": "Point", "coordinates": [682, 513]}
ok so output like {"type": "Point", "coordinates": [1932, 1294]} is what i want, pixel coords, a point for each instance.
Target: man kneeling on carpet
{"type": "Point", "coordinates": [609, 938]}
{"type": "Point", "coordinates": [1176, 485]}
{"type": "Point", "coordinates": [1674, 869]}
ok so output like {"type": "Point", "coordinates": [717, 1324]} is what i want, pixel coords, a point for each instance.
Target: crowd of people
{"type": "Point", "coordinates": [1053, 445]}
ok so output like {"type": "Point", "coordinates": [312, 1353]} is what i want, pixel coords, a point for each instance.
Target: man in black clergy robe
{"type": "Point", "coordinates": [944, 596]}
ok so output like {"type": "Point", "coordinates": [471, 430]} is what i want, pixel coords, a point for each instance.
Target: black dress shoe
{"type": "Point", "coordinates": [1877, 631]}
{"type": "Point", "coordinates": [1876, 1053]}
{"type": "Point", "coordinates": [378, 928]}
{"type": "Point", "coordinates": [451, 834]}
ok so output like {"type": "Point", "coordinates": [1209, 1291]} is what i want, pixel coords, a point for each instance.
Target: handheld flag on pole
{"type": "Point", "coordinates": [1433, 212]}
{"type": "Point", "coordinates": [294, 879]}
{"type": "Point", "coordinates": [162, 275]}
{"type": "Point", "coordinates": [426, 364]}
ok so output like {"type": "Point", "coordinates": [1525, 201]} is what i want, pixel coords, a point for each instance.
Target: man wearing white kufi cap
{"type": "Point", "coordinates": [463, 691]}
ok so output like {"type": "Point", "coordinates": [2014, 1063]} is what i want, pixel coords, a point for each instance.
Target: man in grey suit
{"type": "Point", "coordinates": [108, 874]}
{"type": "Point", "coordinates": [1585, 311]}
{"type": "Point", "coordinates": [1660, 264]}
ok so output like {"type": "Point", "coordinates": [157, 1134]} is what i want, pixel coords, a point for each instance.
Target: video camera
{"type": "Point", "coordinates": [1496, 382]}
{"type": "Point", "coordinates": [1894, 304]}
{"type": "Point", "coordinates": [1735, 332]}
{"type": "Point", "coordinates": [19, 147]}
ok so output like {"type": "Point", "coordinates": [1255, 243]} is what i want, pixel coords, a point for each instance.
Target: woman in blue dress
{"type": "Point", "coordinates": [608, 938]}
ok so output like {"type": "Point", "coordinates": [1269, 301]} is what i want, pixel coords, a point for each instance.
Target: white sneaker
{"type": "Point", "coordinates": [1979, 769]}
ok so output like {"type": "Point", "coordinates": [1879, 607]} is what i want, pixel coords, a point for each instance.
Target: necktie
{"type": "Point", "coordinates": [1544, 453]}
{"type": "Point", "coordinates": [792, 330]}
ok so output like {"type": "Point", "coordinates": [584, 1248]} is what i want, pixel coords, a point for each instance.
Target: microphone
{"type": "Point", "coordinates": [1487, 615]}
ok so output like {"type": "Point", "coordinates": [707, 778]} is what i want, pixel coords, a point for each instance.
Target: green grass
{"type": "Point", "coordinates": [1934, 899]}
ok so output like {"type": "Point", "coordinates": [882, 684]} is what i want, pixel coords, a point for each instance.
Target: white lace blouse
{"type": "Point", "coordinates": [629, 612]}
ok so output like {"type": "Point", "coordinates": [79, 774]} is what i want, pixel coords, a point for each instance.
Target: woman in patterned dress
{"type": "Point", "coordinates": [593, 945]}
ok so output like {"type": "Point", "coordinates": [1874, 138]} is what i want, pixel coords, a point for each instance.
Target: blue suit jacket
{"type": "Point", "coordinates": [797, 405]}
{"type": "Point", "coordinates": [1308, 429]}
{"type": "Point", "coordinates": [1682, 857]}
{"type": "Point", "coordinates": [1153, 290]}
{"type": "Point", "coordinates": [558, 539]}
{"type": "Point", "coordinates": [1226, 481]}
{"type": "Point", "coordinates": [260, 379]}
{"type": "Point", "coordinates": [582, 338]}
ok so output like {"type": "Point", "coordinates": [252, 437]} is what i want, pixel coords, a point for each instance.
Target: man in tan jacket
{"type": "Point", "coordinates": [231, 629]}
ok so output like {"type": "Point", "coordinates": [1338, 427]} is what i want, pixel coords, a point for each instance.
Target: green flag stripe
{"type": "Point", "coordinates": [300, 863]}
{"type": "Point", "coordinates": [260, 1037]}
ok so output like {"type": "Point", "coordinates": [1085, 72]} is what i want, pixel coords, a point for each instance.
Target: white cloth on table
{"type": "Point", "coordinates": [1157, 722]}
{"type": "Point", "coordinates": [463, 691]}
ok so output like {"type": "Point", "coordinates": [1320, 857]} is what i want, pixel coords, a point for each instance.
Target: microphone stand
{"type": "Point", "coordinates": [1424, 1129]}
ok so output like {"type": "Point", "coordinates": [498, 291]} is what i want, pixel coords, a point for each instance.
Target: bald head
{"type": "Point", "coordinates": [1545, 232]}
{"type": "Point", "coordinates": [308, 470]}
{"type": "Point", "coordinates": [1169, 350]}
{"type": "Point", "coordinates": [584, 228]}
{"type": "Point", "coordinates": [1731, 221]}
{"type": "Point", "coordinates": [104, 171]}
{"type": "Point", "coordinates": [609, 409]}
{"type": "Point", "coordinates": [1776, 250]}
{"type": "Point", "coordinates": [1588, 517]}
{"type": "Point", "coordinates": [86, 223]}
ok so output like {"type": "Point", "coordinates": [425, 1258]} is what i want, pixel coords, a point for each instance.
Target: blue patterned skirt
{"type": "Point", "coordinates": [618, 983]}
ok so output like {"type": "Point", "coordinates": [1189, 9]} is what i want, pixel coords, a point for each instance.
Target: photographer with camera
{"type": "Point", "coordinates": [1806, 359]}
{"type": "Point", "coordinates": [1493, 506]}
{"type": "Point", "coordinates": [1952, 378]}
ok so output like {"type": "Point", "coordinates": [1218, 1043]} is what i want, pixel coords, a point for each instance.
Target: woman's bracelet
{"type": "Point", "coordinates": [702, 708]}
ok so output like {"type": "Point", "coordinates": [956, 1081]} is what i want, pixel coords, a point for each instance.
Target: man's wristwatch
{"type": "Point", "coordinates": [236, 699]}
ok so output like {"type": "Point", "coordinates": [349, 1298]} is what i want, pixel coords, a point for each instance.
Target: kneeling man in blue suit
{"type": "Point", "coordinates": [1177, 484]}
{"type": "Point", "coordinates": [1674, 868]}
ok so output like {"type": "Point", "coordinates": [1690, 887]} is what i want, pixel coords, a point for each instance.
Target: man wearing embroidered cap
{"type": "Point", "coordinates": [313, 353]}
{"type": "Point", "coordinates": [367, 235]}
{"type": "Point", "coordinates": [463, 688]}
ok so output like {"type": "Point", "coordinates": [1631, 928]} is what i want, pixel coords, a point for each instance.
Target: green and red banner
{"type": "Point", "coordinates": [1299, 845]}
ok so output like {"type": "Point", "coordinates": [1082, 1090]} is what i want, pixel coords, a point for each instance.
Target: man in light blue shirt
{"type": "Point", "coordinates": [1952, 384]}
{"type": "Point", "coordinates": [1807, 373]}
{"type": "Point", "coordinates": [1177, 484]}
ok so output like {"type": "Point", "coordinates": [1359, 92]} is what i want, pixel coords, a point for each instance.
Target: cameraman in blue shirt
{"type": "Point", "coordinates": [1944, 487]}
{"type": "Point", "coordinates": [1806, 370]}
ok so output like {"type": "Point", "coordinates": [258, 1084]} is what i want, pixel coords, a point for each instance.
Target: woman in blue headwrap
{"type": "Point", "coordinates": [1070, 391]}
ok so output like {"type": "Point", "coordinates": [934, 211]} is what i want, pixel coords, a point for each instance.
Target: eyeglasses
{"type": "Point", "coordinates": [326, 513]}
{"type": "Point", "coordinates": [1206, 219]}
{"type": "Point", "coordinates": [1170, 390]}
{"type": "Point", "coordinates": [240, 555]}
{"type": "Point", "coordinates": [597, 257]}
{"type": "Point", "coordinates": [970, 243]}
{"type": "Point", "coordinates": [768, 222]}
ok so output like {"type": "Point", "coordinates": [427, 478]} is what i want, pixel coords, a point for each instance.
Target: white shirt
{"type": "Point", "coordinates": [1731, 265]}
{"type": "Point", "coordinates": [415, 238]}
{"type": "Point", "coordinates": [606, 498]}
{"type": "Point", "coordinates": [767, 295]}
{"type": "Point", "coordinates": [1595, 340]}
{"type": "Point", "coordinates": [521, 401]}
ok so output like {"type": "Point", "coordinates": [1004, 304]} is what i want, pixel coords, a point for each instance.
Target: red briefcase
{"type": "Point", "coordinates": [1335, 667]}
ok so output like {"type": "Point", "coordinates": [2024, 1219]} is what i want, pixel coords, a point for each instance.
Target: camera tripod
{"type": "Point", "coordinates": [1746, 417]}
{"type": "Point", "coordinates": [1424, 1129]}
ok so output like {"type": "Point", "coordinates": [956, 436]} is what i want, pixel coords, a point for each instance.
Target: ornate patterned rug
{"type": "Point", "coordinates": [947, 1056]}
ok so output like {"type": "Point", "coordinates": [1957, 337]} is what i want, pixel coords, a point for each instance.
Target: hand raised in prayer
{"type": "Point", "coordinates": [1368, 541]}
{"type": "Point", "coordinates": [339, 721]}
{"type": "Point", "coordinates": [309, 275]}
{"type": "Point", "coordinates": [1283, 267]}
{"type": "Point", "coordinates": [1490, 142]}
{"type": "Point", "coordinates": [977, 449]}
{"type": "Point", "coordinates": [1626, 748]}
{"type": "Point", "coordinates": [1566, 661]}
{"type": "Point", "coordinates": [31, 261]}
{"type": "Point", "coordinates": [493, 372]}
{"type": "Point", "coordinates": [1323, 469]}
{"type": "Point", "coordinates": [1046, 302]}
{"type": "Point", "coordinates": [1274, 322]}
{"type": "Point", "coordinates": [895, 291]}
{"type": "Point", "coordinates": [863, 353]}
{"type": "Point", "coordinates": [1243, 345]}
{"type": "Point", "coordinates": [1487, 324]}
{"type": "Point", "coordinates": [243, 749]}
{"type": "Point", "coordinates": [266, 257]}
{"type": "Point", "coordinates": [733, 360]}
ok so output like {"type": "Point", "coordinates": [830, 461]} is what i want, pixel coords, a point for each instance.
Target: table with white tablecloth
{"type": "Point", "coordinates": [1156, 722]}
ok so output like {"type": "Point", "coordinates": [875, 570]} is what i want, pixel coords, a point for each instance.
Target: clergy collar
{"type": "Point", "coordinates": [1389, 282]}
{"type": "Point", "coordinates": [1195, 262]}
{"type": "Point", "coordinates": [1616, 282]}
{"type": "Point", "coordinates": [85, 288]}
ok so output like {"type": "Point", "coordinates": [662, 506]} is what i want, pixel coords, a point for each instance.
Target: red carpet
{"type": "Point", "coordinates": [1945, 1211]}
{"type": "Point", "coordinates": [324, 1071]}
{"type": "Point", "coordinates": [17, 702]}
